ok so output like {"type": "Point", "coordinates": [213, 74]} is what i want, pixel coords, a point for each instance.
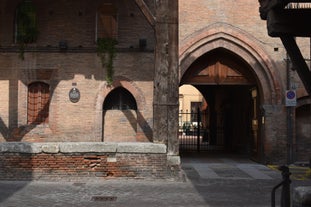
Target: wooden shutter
{"type": "Point", "coordinates": [107, 22]}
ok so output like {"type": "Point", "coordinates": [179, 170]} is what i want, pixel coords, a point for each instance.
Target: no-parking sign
{"type": "Point", "coordinates": [290, 98]}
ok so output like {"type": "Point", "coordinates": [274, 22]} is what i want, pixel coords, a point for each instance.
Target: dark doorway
{"type": "Point", "coordinates": [229, 116]}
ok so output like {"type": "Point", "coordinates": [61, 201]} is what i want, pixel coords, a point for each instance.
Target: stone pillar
{"type": "Point", "coordinates": [166, 82]}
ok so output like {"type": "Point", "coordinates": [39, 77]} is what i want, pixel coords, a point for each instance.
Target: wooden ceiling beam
{"type": "Point", "coordinates": [288, 24]}
{"type": "Point", "coordinates": [146, 11]}
{"type": "Point", "coordinates": [299, 62]}
{"type": "Point", "coordinates": [293, 22]}
{"type": "Point", "coordinates": [268, 5]}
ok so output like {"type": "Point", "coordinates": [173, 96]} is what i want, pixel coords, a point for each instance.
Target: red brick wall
{"type": "Point", "coordinates": [303, 126]}
{"type": "Point", "coordinates": [73, 21]}
{"type": "Point", "coordinates": [16, 166]}
{"type": "Point", "coordinates": [55, 160]}
{"type": "Point", "coordinates": [120, 125]}
{"type": "Point", "coordinates": [237, 27]}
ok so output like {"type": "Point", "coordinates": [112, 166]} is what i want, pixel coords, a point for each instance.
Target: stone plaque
{"type": "Point", "coordinates": [74, 95]}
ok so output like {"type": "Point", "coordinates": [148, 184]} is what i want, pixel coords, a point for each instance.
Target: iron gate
{"type": "Point", "coordinates": [193, 136]}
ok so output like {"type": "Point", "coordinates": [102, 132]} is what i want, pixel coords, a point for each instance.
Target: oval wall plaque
{"type": "Point", "coordinates": [74, 95]}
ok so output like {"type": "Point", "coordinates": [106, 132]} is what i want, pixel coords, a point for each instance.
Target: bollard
{"type": "Point", "coordinates": [302, 196]}
{"type": "Point", "coordinates": [285, 193]}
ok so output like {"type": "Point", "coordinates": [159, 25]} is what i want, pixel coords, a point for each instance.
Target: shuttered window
{"type": "Point", "coordinates": [107, 26]}
{"type": "Point", "coordinates": [38, 103]}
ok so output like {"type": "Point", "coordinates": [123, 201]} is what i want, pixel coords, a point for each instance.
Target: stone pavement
{"type": "Point", "coordinates": [209, 182]}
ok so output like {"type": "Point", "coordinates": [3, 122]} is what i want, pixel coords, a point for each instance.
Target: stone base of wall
{"type": "Point", "coordinates": [78, 160]}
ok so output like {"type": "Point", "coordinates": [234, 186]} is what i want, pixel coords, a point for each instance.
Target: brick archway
{"type": "Point", "coordinates": [268, 80]}
{"type": "Point", "coordinates": [221, 35]}
{"type": "Point", "coordinates": [144, 131]}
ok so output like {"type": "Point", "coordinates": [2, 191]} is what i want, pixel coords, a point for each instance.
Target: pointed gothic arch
{"type": "Point", "coordinates": [240, 43]}
{"type": "Point", "coordinates": [268, 81]}
{"type": "Point", "coordinates": [144, 128]}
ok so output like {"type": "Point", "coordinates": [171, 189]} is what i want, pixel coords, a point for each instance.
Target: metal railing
{"type": "Point", "coordinates": [285, 193]}
{"type": "Point", "coordinates": [192, 135]}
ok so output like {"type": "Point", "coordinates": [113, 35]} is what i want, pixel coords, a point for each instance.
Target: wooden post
{"type": "Point", "coordinates": [146, 11]}
{"type": "Point", "coordinates": [296, 57]}
{"type": "Point", "coordinates": [166, 82]}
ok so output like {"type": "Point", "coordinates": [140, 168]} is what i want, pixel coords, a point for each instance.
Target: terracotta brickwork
{"type": "Point", "coordinates": [204, 27]}
{"type": "Point", "coordinates": [78, 66]}
{"type": "Point", "coordinates": [120, 125]}
{"type": "Point", "coordinates": [235, 26]}
{"type": "Point", "coordinates": [74, 161]}
{"type": "Point", "coordinates": [80, 165]}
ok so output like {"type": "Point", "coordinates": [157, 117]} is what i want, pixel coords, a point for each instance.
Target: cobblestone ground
{"type": "Point", "coordinates": [217, 182]}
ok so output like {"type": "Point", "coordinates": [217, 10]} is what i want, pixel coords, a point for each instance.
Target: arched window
{"type": "Point", "coordinates": [120, 99]}
{"type": "Point", "coordinates": [106, 22]}
{"type": "Point", "coordinates": [38, 103]}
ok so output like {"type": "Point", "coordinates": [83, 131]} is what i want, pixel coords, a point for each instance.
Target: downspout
{"type": "Point", "coordinates": [289, 115]}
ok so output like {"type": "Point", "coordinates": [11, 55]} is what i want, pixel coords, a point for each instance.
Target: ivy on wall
{"type": "Point", "coordinates": [26, 25]}
{"type": "Point", "coordinates": [106, 50]}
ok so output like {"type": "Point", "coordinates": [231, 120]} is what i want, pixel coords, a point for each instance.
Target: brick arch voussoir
{"type": "Point", "coordinates": [221, 35]}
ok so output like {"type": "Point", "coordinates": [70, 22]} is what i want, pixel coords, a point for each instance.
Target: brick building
{"type": "Point", "coordinates": [226, 53]}
{"type": "Point", "coordinates": [65, 113]}
{"type": "Point", "coordinates": [56, 90]}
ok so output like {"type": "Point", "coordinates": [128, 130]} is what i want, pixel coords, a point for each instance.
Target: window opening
{"type": "Point", "coordinates": [26, 30]}
{"type": "Point", "coordinates": [120, 99]}
{"type": "Point", "coordinates": [38, 103]}
{"type": "Point", "coordinates": [106, 22]}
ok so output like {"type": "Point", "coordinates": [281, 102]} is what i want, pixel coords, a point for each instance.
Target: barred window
{"type": "Point", "coordinates": [38, 103]}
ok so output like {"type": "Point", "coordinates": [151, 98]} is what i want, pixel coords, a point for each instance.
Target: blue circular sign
{"type": "Point", "coordinates": [290, 94]}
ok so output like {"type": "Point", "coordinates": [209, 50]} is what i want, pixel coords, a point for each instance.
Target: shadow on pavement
{"type": "Point", "coordinates": [229, 179]}
{"type": "Point", "coordinates": [9, 188]}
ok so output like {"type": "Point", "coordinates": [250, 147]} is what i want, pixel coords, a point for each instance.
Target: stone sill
{"type": "Point", "coordinates": [83, 147]}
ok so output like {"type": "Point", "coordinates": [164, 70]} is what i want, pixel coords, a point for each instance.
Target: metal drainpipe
{"type": "Point", "coordinates": [289, 116]}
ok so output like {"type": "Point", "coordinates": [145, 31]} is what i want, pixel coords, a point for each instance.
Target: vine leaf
{"type": "Point", "coordinates": [26, 25]}
{"type": "Point", "coordinates": [106, 50]}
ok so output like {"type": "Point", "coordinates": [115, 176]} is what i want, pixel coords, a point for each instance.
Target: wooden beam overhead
{"type": "Point", "coordinates": [299, 63]}
{"type": "Point", "coordinates": [287, 23]}
{"type": "Point", "coordinates": [267, 5]}
{"type": "Point", "coordinates": [293, 22]}
{"type": "Point", "coordinates": [146, 11]}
